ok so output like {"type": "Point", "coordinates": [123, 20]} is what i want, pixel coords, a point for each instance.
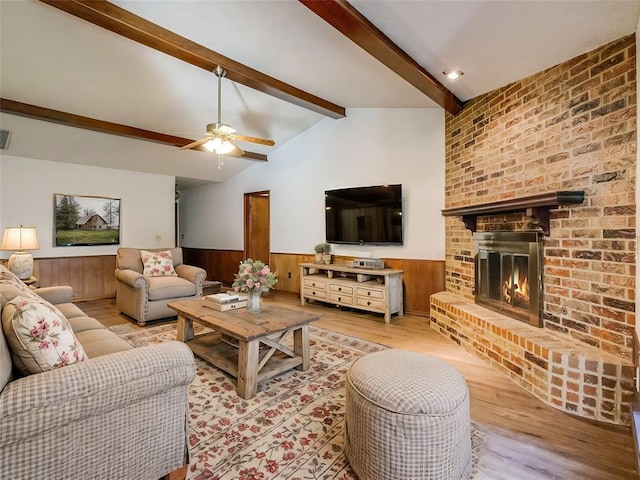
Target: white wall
{"type": "Point", "coordinates": [26, 197]}
{"type": "Point", "coordinates": [368, 147]}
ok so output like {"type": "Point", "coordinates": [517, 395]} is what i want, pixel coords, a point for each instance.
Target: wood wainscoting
{"type": "Point", "coordinates": [91, 277]}
{"type": "Point", "coordinates": [220, 265]}
{"type": "Point", "coordinates": [421, 278]}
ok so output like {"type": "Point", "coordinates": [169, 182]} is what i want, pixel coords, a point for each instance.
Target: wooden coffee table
{"type": "Point", "coordinates": [248, 346]}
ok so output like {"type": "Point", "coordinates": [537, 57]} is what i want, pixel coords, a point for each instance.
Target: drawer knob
{"type": "Point", "coordinates": [313, 293]}
{"type": "Point", "coordinates": [368, 303]}
{"type": "Point", "coordinates": [339, 289]}
{"type": "Point", "coordinates": [339, 299]}
{"type": "Point", "coordinates": [313, 284]}
{"type": "Point", "coordinates": [368, 293]}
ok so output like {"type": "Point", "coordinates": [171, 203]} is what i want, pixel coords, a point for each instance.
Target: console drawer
{"type": "Point", "coordinates": [371, 304]}
{"type": "Point", "coordinates": [342, 299]}
{"type": "Point", "coordinates": [313, 293]}
{"type": "Point", "coordinates": [370, 293]}
{"type": "Point", "coordinates": [339, 288]}
{"type": "Point", "coordinates": [315, 283]}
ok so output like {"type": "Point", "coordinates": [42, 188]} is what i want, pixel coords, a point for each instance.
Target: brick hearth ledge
{"type": "Point", "coordinates": [562, 372]}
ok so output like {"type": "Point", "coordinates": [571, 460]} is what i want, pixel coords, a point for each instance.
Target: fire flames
{"type": "Point", "coordinates": [520, 293]}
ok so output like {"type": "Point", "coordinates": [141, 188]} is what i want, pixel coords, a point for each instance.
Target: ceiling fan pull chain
{"type": "Point", "coordinates": [220, 161]}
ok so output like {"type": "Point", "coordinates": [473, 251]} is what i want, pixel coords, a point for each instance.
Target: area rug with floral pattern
{"type": "Point", "coordinates": [292, 429]}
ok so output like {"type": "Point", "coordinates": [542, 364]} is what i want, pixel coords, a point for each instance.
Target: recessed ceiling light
{"type": "Point", "coordinates": [453, 74]}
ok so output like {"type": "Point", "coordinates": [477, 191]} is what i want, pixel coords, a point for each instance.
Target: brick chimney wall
{"type": "Point", "coordinates": [570, 127]}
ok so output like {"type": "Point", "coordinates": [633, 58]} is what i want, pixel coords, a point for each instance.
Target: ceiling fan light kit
{"type": "Point", "coordinates": [219, 146]}
{"type": "Point", "coordinates": [220, 136]}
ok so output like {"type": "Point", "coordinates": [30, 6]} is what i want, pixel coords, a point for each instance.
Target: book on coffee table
{"type": "Point", "coordinates": [222, 297]}
{"type": "Point", "coordinates": [240, 301]}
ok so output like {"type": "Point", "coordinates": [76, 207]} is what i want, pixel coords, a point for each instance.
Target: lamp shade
{"type": "Point", "coordinates": [19, 239]}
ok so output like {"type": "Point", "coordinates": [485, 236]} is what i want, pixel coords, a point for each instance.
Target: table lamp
{"type": "Point", "coordinates": [20, 239]}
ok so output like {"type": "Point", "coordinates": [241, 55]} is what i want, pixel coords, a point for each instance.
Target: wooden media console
{"type": "Point", "coordinates": [374, 290]}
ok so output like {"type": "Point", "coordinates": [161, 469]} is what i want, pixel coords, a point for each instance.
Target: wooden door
{"type": "Point", "coordinates": [256, 226]}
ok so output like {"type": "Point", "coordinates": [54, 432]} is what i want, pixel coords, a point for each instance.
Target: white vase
{"type": "Point", "coordinates": [253, 302]}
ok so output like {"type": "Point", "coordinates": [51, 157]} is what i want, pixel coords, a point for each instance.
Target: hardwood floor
{"type": "Point", "coordinates": [524, 438]}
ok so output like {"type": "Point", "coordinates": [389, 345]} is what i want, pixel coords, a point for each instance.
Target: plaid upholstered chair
{"type": "Point", "coordinates": [147, 280]}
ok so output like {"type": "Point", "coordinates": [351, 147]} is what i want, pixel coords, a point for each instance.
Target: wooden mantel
{"type": "Point", "coordinates": [536, 206]}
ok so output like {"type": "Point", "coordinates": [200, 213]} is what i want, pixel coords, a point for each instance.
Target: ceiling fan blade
{"type": "Point", "coordinates": [261, 141]}
{"type": "Point", "coordinates": [197, 143]}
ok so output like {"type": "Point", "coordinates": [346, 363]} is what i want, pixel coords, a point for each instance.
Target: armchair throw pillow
{"type": "Point", "coordinates": [39, 336]}
{"type": "Point", "coordinates": [157, 264]}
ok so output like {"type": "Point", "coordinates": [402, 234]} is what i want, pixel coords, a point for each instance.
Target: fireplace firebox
{"type": "Point", "coordinates": [509, 274]}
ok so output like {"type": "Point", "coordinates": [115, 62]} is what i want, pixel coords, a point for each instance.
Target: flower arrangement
{"type": "Point", "coordinates": [254, 275]}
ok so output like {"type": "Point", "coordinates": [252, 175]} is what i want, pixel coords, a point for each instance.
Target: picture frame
{"type": "Point", "coordinates": [84, 220]}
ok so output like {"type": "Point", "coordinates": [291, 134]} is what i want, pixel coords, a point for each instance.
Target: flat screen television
{"type": "Point", "coordinates": [364, 215]}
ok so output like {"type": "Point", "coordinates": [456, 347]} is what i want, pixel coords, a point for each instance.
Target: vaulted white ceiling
{"type": "Point", "coordinates": [52, 59]}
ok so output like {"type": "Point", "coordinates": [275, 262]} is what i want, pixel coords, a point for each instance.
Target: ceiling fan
{"type": "Point", "coordinates": [219, 136]}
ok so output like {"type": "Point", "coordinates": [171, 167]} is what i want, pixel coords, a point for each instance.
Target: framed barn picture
{"type": "Point", "coordinates": [85, 220]}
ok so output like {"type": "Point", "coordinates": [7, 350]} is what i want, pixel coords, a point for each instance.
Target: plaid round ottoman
{"type": "Point", "coordinates": [407, 418]}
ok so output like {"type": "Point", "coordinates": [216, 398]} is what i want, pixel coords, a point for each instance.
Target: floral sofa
{"type": "Point", "coordinates": [78, 402]}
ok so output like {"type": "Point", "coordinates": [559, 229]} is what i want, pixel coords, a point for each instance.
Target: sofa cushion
{"type": "Point", "coordinates": [100, 341]}
{"type": "Point", "coordinates": [129, 258]}
{"type": "Point", "coordinates": [163, 288]}
{"type": "Point", "coordinates": [39, 336]}
{"type": "Point", "coordinates": [69, 310]}
{"type": "Point", "coordinates": [157, 264]}
{"type": "Point", "coordinates": [10, 287]}
{"type": "Point", "coordinates": [82, 323]}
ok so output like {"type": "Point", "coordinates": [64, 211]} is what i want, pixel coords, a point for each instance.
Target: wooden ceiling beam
{"type": "Point", "coordinates": [129, 25]}
{"type": "Point", "coordinates": [71, 120]}
{"type": "Point", "coordinates": [351, 23]}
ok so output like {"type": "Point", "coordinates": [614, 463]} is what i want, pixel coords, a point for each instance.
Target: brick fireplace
{"type": "Point", "coordinates": [571, 127]}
